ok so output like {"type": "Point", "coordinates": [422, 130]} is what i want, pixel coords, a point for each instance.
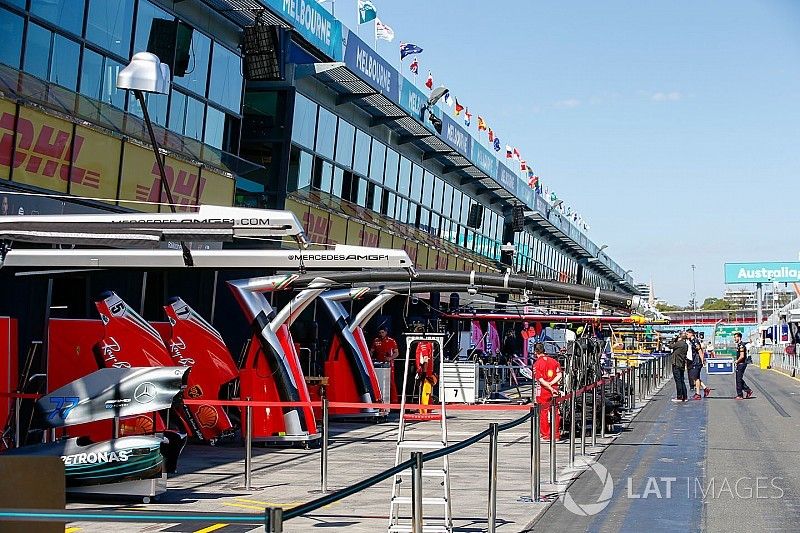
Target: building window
{"type": "Point", "coordinates": [361, 153]}
{"type": "Point", "coordinates": [377, 161]}
{"type": "Point", "coordinates": [108, 25]}
{"type": "Point", "coordinates": [196, 77]}
{"type": "Point", "coordinates": [344, 144]}
{"type": "Point", "coordinates": [215, 127]}
{"type": "Point", "coordinates": [337, 187]}
{"type": "Point", "coordinates": [194, 118]}
{"type": "Point", "coordinates": [66, 14]}
{"type": "Point", "coordinates": [403, 184]}
{"type": "Point", "coordinates": [437, 188]}
{"type": "Point", "coordinates": [326, 133]}
{"type": "Point", "coordinates": [11, 27]}
{"type": "Point", "coordinates": [64, 65]}
{"type": "Point", "coordinates": [37, 51]}
{"type": "Point", "coordinates": [305, 121]}
{"type": "Point", "coordinates": [226, 79]}
{"type": "Point", "coordinates": [416, 183]}
{"type": "Point", "coordinates": [390, 176]}
{"type": "Point", "coordinates": [377, 197]}
{"type": "Point", "coordinates": [145, 15]}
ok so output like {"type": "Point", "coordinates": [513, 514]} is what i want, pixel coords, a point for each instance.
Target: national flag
{"type": "Point", "coordinates": [406, 49]}
{"type": "Point", "coordinates": [497, 144]}
{"type": "Point", "coordinates": [366, 11]}
{"type": "Point", "coordinates": [516, 154]}
{"type": "Point", "coordinates": [467, 117]}
{"type": "Point", "coordinates": [414, 66]}
{"type": "Point", "coordinates": [447, 99]}
{"type": "Point", "coordinates": [523, 166]}
{"type": "Point", "coordinates": [491, 136]}
{"type": "Point", "coordinates": [459, 108]}
{"type": "Point", "coordinates": [382, 31]}
{"type": "Point", "coordinates": [481, 124]}
{"type": "Point", "coordinates": [429, 81]}
{"type": "Point", "coordinates": [509, 152]}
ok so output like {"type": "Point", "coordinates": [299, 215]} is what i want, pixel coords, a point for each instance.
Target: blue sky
{"type": "Point", "coordinates": [672, 126]}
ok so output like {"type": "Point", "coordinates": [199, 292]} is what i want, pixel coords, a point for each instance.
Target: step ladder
{"type": "Point", "coordinates": [436, 509]}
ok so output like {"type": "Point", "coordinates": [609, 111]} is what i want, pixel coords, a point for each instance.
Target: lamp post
{"type": "Point", "coordinates": [147, 74]}
{"type": "Point", "coordinates": [694, 296]}
{"type": "Point", "coordinates": [436, 94]}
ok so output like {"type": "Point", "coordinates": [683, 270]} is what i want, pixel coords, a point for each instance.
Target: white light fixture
{"type": "Point", "coordinates": [602, 248]}
{"type": "Point", "coordinates": [145, 73]}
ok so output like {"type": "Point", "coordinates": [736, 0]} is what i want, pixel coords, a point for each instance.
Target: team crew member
{"type": "Point", "coordinates": [384, 351]}
{"type": "Point", "coordinates": [741, 366]}
{"type": "Point", "coordinates": [679, 348]}
{"type": "Point", "coordinates": [696, 366]}
{"type": "Point", "coordinates": [426, 378]}
{"type": "Point", "coordinates": [547, 376]}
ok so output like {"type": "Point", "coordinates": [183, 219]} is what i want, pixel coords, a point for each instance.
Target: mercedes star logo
{"type": "Point", "coordinates": [145, 392]}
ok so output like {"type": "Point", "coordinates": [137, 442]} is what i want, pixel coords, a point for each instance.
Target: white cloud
{"type": "Point", "coordinates": [569, 103]}
{"type": "Point", "coordinates": [672, 96]}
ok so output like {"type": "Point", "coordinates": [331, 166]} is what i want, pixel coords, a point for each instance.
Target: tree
{"type": "Point", "coordinates": [716, 304]}
{"type": "Point", "coordinates": [666, 308]}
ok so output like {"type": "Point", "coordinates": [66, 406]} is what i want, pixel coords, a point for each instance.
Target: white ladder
{"type": "Point", "coordinates": [440, 521]}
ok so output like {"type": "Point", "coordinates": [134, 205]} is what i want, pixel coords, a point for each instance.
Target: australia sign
{"type": "Point", "coordinates": [779, 272]}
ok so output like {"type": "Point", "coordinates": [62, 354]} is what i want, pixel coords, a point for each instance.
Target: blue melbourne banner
{"type": "Point", "coordinates": [484, 159]}
{"type": "Point", "coordinates": [781, 272]}
{"type": "Point", "coordinates": [372, 68]}
{"type": "Point", "coordinates": [411, 98]}
{"type": "Point", "coordinates": [313, 22]}
{"type": "Point", "coordinates": [508, 179]}
{"type": "Point", "coordinates": [456, 136]}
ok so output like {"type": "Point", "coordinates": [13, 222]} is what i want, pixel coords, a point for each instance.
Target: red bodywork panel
{"type": "Point", "coordinates": [256, 382]}
{"type": "Point", "coordinates": [341, 375]}
{"type": "Point", "coordinates": [9, 360]}
{"type": "Point", "coordinates": [194, 342]}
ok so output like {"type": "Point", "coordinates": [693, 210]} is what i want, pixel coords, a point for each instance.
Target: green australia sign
{"type": "Point", "coordinates": [779, 272]}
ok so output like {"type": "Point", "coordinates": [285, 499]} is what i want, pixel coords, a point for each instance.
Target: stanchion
{"type": "Point", "coordinates": [572, 428]}
{"type": "Point", "coordinates": [603, 409]}
{"type": "Point", "coordinates": [553, 410]}
{"type": "Point", "coordinates": [273, 518]}
{"type": "Point", "coordinates": [625, 394]}
{"type": "Point", "coordinates": [536, 453]}
{"type": "Point", "coordinates": [416, 493]}
{"type": "Point", "coordinates": [248, 449]}
{"type": "Point", "coordinates": [583, 423]}
{"type": "Point", "coordinates": [633, 387]}
{"type": "Point", "coordinates": [324, 448]}
{"type": "Point", "coordinates": [17, 406]}
{"type": "Point", "coordinates": [493, 438]}
{"type": "Point", "coordinates": [594, 415]}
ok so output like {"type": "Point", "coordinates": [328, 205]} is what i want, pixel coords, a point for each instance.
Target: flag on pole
{"type": "Point", "coordinates": [382, 31]}
{"type": "Point", "coordinates": [481, 124]}
{"type": "Point", "coordinates": [447, 99]}
{"type": "Point", "coordinates": [406, 49]}
{"type": "Point", "coordinates": [494, 337]}
{"type": "Point", "coordinates": [366, 11]}
{"type": "Point", "coordinates": [459, 108]}
{"type": "Point", "coordinates": [509, 153]}
{"type": "Point", "coordinates": [523, 166]}
{"type": "Point", "coordinates": [467, 117]}
{"type": "Point", "coordinates": [429, 81]}
{"type": "Point", "coordinates": [491, 136]}
{"type": "Point", "coordinates": [497, 144]}
{"type": "Point", "coordinates": [414, 66]}
{"type": "Point", "coordinates": [476, 335]}
{"type": "Point", "coordinates": [516, 154]}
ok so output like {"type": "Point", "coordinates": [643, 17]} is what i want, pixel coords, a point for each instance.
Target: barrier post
{"type": "Point", "coordinates": [493, 438]}
{"type": "Point", "coordinates": [416, 493]}
{"type": "Point", "coordinates": [324, 448]}
{"type": "Point", "coordinates": [572, 428]}
{"type": "Point", "coordinates": [273, 519]}
{"type": "Point", "coordinates": [603, 409]}
{"type": "Point", "coordinates": [248, 451]}
{"type": "Point", "coordinates": [633, 387]}
{"type": "Point", "coordinates": [583, 422]}
{"type": "Point", "coordinates": [536, 453]}
{"type": "Point", "coordinates": [624, 384]}
{"type": "Point", "coordinates": [553, 410]}
{"type": "Point", "coordinates": [17, 406]}
{"type": "Point", "coordinates": [594, 415]}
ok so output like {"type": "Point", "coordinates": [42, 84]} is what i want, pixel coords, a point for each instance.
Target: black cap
{"type": "Point", "coordinates": [690, 330]}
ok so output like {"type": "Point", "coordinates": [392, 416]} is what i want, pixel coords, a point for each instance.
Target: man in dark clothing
{"type": "Point", "coordinates": [741, 366]}
{"type": "Point", "coordinates": [679, 349]}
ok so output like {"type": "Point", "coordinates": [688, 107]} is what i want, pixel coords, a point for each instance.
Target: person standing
{"type": "Point", "coordinates": [547, 375]}
{"type": "Point", "coordinates": [679, 349]}
{"type": "Point", "coordinates": [525, 334]}
{"type": "Point", "coordinates": [384, 351]}
{"type": "Point", "coordinates": [696, 366]}
{"type": "Point", "coordinates": [741, 366]}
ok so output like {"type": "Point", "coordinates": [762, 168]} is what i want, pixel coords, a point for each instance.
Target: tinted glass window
{"type": "Point", "coordinates": [416, 183]}
{"type": "Point", "coordinates": [392, 162]}
{"type": "Point", "coordinates": [338, 183]}
{"type": "Point", "coordinates": [456, 206]}
{"type": "Point", "coordinates": [110, 93]}
{"type": "Point", "coordinates": [391, 200]}
{"type": "Point", "coordinates": [63, 67]}
{"type": "Point", "coordinates": [177, 112]}
{"type": "Point", "coordinates": [326, 132]}
{"type": "Point", "coordinates": [344, 144]}
{"type": "Point", "coordinates": [194, 118]}
{"type": "Point", "coordinates": [109, 25]}
{"type": "Point", "coordinates": [92, 74]}
{"type": "Point", "coordinates": [361, 156]}
{"type": "Point", "coordinates": [196, 76]}
{"type": "Point", "coordinates": [67, 14]}
{"type": "Point", "coordinates": [305, 120]}
{"type": "Point", "coordinates": [144, 21]}
{"type": "Point", "coordinates": [304, 170]}
{"type": "Point", "coordinates": [325, 170]}
{"type": "Point", "coordinates": [377, 161]}
{"type": "Point", "coordinates": [464, 208]}
{"type": "Point", "coordinates": [447, 200]}
{"type": "Point", "coordinates": [37, 51]}
{"type": "Point", "coordinates": [11, 28]}
{"type": "Point", "coordinates": [434, 193]}
{"type": "Point", "coordinates": [404, 177]}
{"type": "Point", "coordinates": [377, 198]}
{"type": "Point", "coordinates": [226, 78]}
{"type": "Point", "coordinates": [434, 226]}
{"type": "Point", "coordinates": [215, 127]}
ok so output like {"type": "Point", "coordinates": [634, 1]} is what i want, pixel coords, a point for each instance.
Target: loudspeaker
{"type": "Point", "coordinates": [171, 41]}
{"type": "Point", "coordinates": [475, 217]}
{"type": "Point", "coordinates": [263, 60]}
{"type": "Point", "coordinates": [518, 218]}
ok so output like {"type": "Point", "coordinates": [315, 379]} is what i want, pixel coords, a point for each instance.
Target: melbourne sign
{"type": "Point", "coordinates": [372, 68]}
{"type": "Point", "coordinates": [311, 20]}
{"type": "Point", "coordinates": [780, 272]}
{"type": "Point", "coordinates": [456, 136]}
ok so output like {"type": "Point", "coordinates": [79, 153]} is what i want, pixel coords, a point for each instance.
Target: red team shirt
{"type": "Point", "coordinates": [383, 348]}
{"type": "Point", "coordinates": [545, 368]}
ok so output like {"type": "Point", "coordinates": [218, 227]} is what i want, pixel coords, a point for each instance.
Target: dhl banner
{"type": "Point", "coordinates": [95, 164]}
{"type": "Point", "coordinates": [141, 182]}
{"type": "Point", "coordinates": [42, 151]}
{"type": "Point", "coordinates": [337, 234]}
{"type": "Point", "coordinates": [8, 112]}
{"type": "Point", "coordinates": [317, 225]}
{"type": "Point", "coordinates": [422, 256]}
{"type": "Point", "coordinates": [370, 237]}
{"type": "Point", "coordinates": [386, 240]}
{"type": "Point", "coordinates": [354, 232]}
